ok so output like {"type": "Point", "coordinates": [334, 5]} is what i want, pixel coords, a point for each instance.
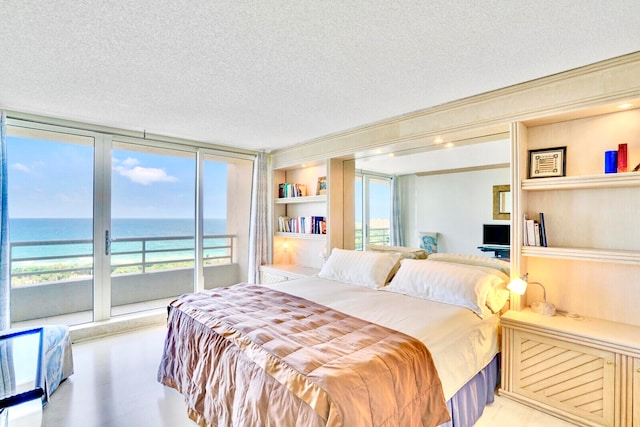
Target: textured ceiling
{"type": "Point", "coordinates": [269, 74]}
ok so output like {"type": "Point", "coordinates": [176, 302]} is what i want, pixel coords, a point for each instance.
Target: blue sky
{"type": "Point", "coordinates": [55, 180]}
{"type": "Point", "coordinates": [379, 200]}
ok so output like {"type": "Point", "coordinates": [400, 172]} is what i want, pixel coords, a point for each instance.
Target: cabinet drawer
{"type": "Point", "coordinates": [266, 278]}
{"type": "Point", "coordinates": [571, 377]}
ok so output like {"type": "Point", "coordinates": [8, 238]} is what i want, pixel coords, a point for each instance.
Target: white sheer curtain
{"type": "Point", "coordinates": [5, 264]}
{"type": "Point", "coordinates": [258, 229]}
{"type": "Point", "coordinates": [396, 238]}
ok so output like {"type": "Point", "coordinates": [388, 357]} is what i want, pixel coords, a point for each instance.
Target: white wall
{"type": "Point", "coordinates": [239, 181]}
{"type": "Point", "coordinates": [452, 204]}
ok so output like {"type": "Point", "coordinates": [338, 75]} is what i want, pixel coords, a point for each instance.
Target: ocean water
{"type": "Point", "coordinates": [39, 229]}
{"type": "Point", "coordinates": [65, 229]}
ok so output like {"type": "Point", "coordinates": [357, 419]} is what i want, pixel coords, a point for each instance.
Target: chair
{"type": "Point", "coordinates": [57, 356]}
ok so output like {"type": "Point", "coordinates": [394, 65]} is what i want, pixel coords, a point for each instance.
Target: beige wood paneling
{"type": "Point", "coordinates": [635, 401]}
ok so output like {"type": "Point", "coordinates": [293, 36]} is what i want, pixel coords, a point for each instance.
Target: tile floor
{"type": "Point", "coordinates": [114, 385]}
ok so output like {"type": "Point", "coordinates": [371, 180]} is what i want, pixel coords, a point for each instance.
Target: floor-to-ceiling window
{"type": "Point", "coordinates": [51, 199]}
{"type": "Point", "coordinates": [152, 230]}
{"type": "Point", "coordinates": [102, 225]}
{"type": "Point", "coordinates": [372, 209]}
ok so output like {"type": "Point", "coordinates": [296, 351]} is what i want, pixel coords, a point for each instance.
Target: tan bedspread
{"type": "Point", "coordinates": [248, 355]}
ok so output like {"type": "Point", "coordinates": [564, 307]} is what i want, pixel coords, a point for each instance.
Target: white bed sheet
{"type": "Point", "coordinates": [460, 343]}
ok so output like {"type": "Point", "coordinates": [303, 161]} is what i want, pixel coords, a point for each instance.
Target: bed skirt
{"type": "Point", "coordinates": [467, 405]}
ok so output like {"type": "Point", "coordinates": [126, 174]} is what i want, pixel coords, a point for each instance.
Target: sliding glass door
{"type": "Point", "coordinates": [152, 234]}
{"type": "Point", "coordinates": [50, 193]}
{"type": "Point", "coordinates": [103, 225]}
{"type": "Point", "coordinates": [372, 209]}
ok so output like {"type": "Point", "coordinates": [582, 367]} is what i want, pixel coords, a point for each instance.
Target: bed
{"type": "Point", "coordinates": [372, 340]}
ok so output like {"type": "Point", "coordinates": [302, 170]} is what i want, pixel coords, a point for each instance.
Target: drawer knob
{"type": "Point", "coordinates": [609, 362]}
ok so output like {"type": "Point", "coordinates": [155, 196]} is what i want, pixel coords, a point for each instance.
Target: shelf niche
{"type": "Point", "coordinates": [592, 263]}
{"type": "Point", "coordinates": [309, 249]}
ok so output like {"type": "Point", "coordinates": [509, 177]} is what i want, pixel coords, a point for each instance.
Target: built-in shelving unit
{"type": "Point", "coordinates": [311, 249]}
{"type": "Point", "coordinates": [592, 219]}
{"type": "Point", "coordinates": [293, 248]}
{"type": "Point", "coordinates": [590, 268]}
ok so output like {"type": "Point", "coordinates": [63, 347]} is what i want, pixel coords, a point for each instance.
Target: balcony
{"type": "Point", "coordinates": [54, 280]}
{"type": "Point", "coordinates": [377, 236]}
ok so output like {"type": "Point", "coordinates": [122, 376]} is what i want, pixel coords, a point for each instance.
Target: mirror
{"type": "Point", "coordinates": [501, 202]}
{"type": "Point", "coordinates": [446, 190]}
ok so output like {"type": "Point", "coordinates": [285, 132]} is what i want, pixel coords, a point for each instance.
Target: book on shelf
{"type": "Point", "coordinates": [283, 224]}
{"type": "Point", "coordinates": [535, 233]}
{"type": "Point", "coordinates": [543, 231]}
{"type": "Point", "coordinates": [303, 224]}
{"type": "Point", "coordinates": [531, 232]}
{"type": "Point", "coordinates": [288, 189]}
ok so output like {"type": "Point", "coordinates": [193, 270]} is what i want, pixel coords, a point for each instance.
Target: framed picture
{"type": "Point", "coordinates": [547, 162]}
{"type": "Point", "coordinates": [322, 186]}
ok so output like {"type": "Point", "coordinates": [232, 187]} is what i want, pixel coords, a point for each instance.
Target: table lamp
{"type": "Point", "coordinates": [519, 286]}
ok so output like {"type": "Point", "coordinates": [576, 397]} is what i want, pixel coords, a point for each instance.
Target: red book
{"type": "Point", "coordinates": [622, 157]}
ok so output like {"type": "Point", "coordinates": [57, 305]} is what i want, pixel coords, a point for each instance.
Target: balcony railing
{"type": "Point", "coordinates": [53, 260]}
{"type": "Point", "coordinates": [377, 236]}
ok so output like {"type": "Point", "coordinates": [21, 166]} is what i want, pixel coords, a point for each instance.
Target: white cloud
{"type": "Point", "coordinates": [144, 176]}
{"type": "Point", "coordinates": [130, 161]}
{"type": "Point", "coordinates": [20, 167]}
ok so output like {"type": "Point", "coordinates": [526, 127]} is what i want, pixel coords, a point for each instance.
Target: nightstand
{"type": "Point", "coordinates": [584, 370]}
{"type": "Point", "coordinates": [275, 273]}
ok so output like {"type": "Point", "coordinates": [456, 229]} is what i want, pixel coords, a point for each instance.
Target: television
{"type": "Point", "coordinates": [496, 234]}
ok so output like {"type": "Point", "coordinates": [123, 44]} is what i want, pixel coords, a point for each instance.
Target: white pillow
{"type": "Point", "coordinates": [497, 297]}
{"type": "Point", "coordinates": [370, 269]}
{"type": "Point", "coordinates": [479, 260]}
{"type": "Point", "coordinates": [445, 282]}
{"type": "Point", "coordinates": [410, 253]}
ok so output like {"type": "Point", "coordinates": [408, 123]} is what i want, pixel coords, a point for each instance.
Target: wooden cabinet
{"type": "Point", "coordinates": [570, 377]}
{"type": "Point", "coordinates": [573, 368]}
{"type": "Point", "coordinates": [279, 273]}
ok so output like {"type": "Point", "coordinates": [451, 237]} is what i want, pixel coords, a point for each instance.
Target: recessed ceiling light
{"type": "Point", "coordinates": [438, 140]}
{"type": "Point", "coordinates": [626, 105]}
{"type": "Point", "coordinates": [449, 144]}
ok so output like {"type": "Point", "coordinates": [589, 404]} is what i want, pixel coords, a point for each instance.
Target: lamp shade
{"type": "Point", "coordinates": [518, 286]}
